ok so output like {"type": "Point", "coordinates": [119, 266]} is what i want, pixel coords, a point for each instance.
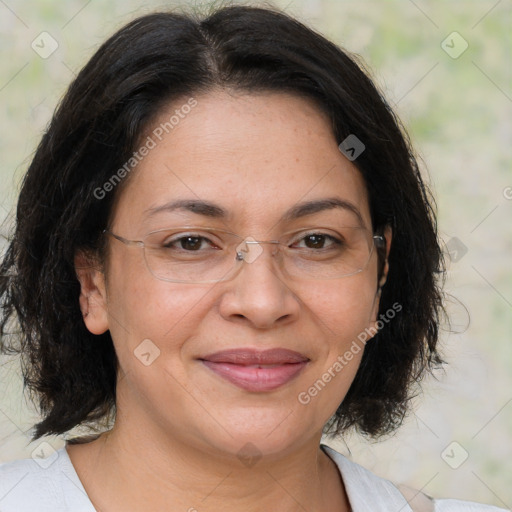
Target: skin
{"type": "Point", "coordinates": [179, 426]}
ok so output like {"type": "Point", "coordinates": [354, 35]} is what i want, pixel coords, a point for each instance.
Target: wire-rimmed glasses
{"type": "Point", "coordinates": [189, 254]}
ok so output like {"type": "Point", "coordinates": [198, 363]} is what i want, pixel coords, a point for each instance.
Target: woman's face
{"type": "Point", "coordinates": [256, 157]}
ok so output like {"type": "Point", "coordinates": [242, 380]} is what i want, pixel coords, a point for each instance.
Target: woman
{"type": "Point", "coordinates": [223, 249]}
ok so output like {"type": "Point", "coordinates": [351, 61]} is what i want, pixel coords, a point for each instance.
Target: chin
{"type": "Point", "coordinates": [249, 449]}
{"type": "Point", "coordinates": [256, 433]}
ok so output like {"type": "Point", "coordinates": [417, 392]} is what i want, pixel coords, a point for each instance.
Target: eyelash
{"type": "Point", "coordinates": [334, 241]}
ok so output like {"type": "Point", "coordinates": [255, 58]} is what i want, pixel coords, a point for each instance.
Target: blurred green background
{"type": "Point", "coordinates": [456, 103]}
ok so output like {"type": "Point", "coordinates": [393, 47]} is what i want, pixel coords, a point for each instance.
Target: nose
{"type": "Point", "coordinates": [259, 294]}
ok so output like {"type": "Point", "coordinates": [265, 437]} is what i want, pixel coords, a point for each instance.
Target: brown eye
{"type": "Point", "coordinates": [191, 243]}
{"type": "Point", "coordinates": [188, 243]}
{"type": "Point", "coordinates": [318, 241]}
{"type": "Point", "coordinates": [315, 241]}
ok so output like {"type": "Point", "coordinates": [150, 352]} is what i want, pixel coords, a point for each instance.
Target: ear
{"type": "Point", "coordinates": [388, 234]}
{"type": "Point", "coordinates": [93, 297]}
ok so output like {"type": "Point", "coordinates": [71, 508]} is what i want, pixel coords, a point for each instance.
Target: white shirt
{"type": "Point", "coordinates": [52, 485]}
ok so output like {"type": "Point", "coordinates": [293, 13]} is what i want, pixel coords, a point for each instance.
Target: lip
{"type": "Point", "coordinates": [256, 370]}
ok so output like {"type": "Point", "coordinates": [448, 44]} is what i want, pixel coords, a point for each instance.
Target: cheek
{"type": "Point", "coordinates": [344, 308]}
{"type": "Point", "coordinates": [343, 314]}
{"type": "Point", "coordinates": [151, 350]}
{"type": "Point", "coordinates": [142, 307]}
{"type": "Point", "coordinates": [135, 294]}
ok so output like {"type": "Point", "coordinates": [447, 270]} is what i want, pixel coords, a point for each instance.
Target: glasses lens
{"type": "Point", "coordinates": [190, 255]}
{"type": "Point", "coordinates": [208, 255]}
{"type": "Point", "coordinates": [330, 254]}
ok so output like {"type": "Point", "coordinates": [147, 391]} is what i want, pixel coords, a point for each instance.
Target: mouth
{"type": "Point", "coordinates": [256, 371]}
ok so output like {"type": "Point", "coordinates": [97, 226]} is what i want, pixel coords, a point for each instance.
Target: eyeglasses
{"type": "Point", "coordinates": [210, 255]}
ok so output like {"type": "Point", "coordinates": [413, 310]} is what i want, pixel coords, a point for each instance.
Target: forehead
{"type": "Point", "coordinates": [255, 155]}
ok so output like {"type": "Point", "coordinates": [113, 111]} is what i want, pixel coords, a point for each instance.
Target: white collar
{"type": "Point", "coordinates": [365, 490]}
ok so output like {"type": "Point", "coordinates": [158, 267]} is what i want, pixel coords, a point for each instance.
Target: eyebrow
{"type": "Point", "coordinates": [212, 210]}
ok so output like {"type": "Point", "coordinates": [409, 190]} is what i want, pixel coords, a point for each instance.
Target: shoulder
{"type": "Point", "coordinates": [27, 485]}
{"type": "Point", "coordinates": [41, 484]}
{"type": "Point", "coordinates": [365, 488]}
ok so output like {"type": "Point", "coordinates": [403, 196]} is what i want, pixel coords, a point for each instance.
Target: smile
{"type": "Point", "coordinates": [256, 371]}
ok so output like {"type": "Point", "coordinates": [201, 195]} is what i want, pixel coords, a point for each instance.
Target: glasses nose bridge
{"type": "Point", "coordinates": [260, 242]}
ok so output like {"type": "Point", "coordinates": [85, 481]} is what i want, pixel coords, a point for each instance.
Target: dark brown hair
{"type": "Point", "coordinates": [148, 63]}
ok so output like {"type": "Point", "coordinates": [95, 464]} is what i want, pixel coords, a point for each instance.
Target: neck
{"type": "Point", "coordinates": [132, 468]}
